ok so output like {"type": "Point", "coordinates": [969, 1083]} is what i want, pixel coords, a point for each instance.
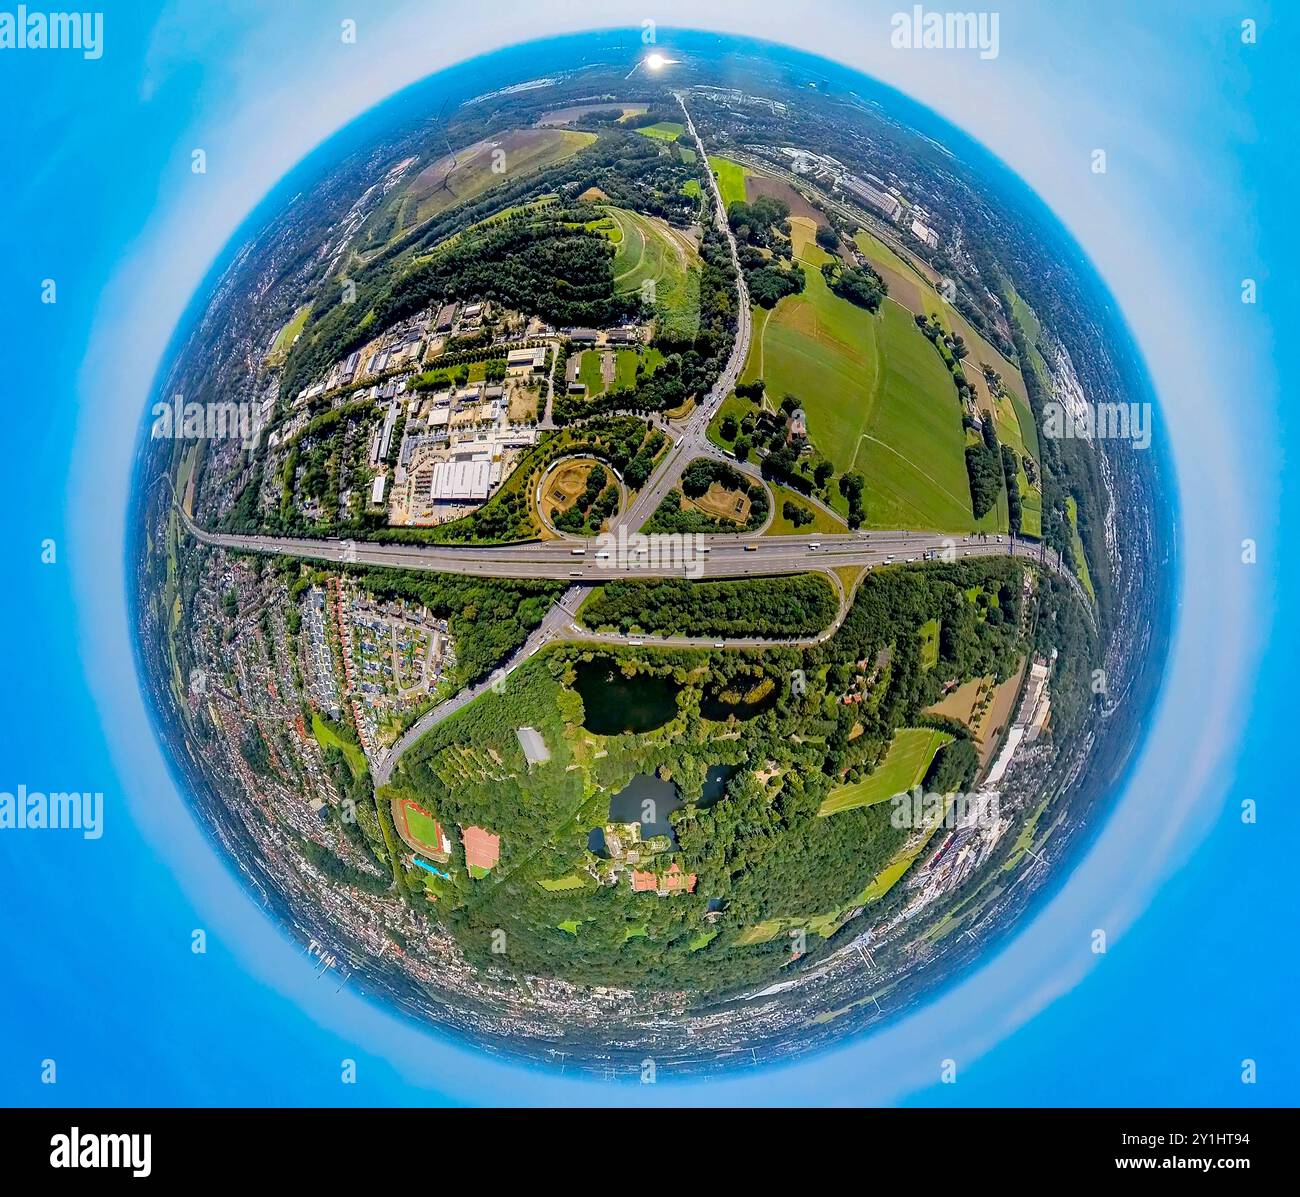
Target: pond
{"type": "Point", "coordinates": [715, 781]}
{"type": "Point", "coordinates": [613, 704]}
{"type": "Point", "coordinates": [629, 805]}
{"type": "Point", "coordinates": [647, 800]}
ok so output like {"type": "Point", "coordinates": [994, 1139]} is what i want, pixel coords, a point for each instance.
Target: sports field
{"type": "Point", "coordinates": [418, 827]}
{"type": "Point", "coordinates": [285, 338]}
{"type": "Point", "coordinates": [648, 249]}
{"type": "Point", "coordinates": [731, 180]}
{"type": "Point", "coordinates": [591, 372]}
{"type": "Point", "coordinates": [664, 130]}
{"type": "Point", "coordinates": [905, 764]}
{"type": "Point", "coordinates": [878, 399]}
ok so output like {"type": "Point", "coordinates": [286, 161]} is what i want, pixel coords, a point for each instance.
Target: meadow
{"type": "Point", "coordinates": [878, 398]}
{"type": "Point", "coordinates": [648, 249]}
{"type": "Point", "coordinates": [905, 764]}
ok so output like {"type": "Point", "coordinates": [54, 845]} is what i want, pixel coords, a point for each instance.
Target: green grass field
{"type": "Point", "coordinates": [1014, 421]}
{"type": "Point", "coordinates": [929, 636]}
{"type": "Point", "coordinates": [285, 338]}
{"type": "Point", "coordinates": [1080, 557]}
{"type": "Point", "coordinates": [423, 827]}
{"type": "Point", "coordinates": [664, 130]}
{"type": "Point", "coordinates": [589, 372]}
{"type": "Point", "coordinates": [905, 764]}
{"type": "Point", "coordinates": [327, 737]}
{"type": "Point", "coordinates": [879, 401]}
{"type": "Point", "coordinates": [449, 181]}
{"type": "Point", "coordinates": [731, 179]}
{"type": "Point", "coordinates": [559, 884]}
{"type": "Point", "coordinates": [649, 249]}
{"type": "Point", "coordinates": [734, 406]}
{"type": "Point", "coordinates": [822, 520]}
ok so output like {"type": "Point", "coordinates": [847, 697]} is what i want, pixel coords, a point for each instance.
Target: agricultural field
{"type": "Point", "coordinates": [649, 249]}
{"type": "Point", "coordinates": [905, 764]}
{"type": "Point", "coordinates": [910, 285]}
{"type": "Point", "coordinates": [909, 282]}
{"type": "Point", "coordinates": [467, 173]}
{"type": "Point", "coordinates": [731, 180]}
{"type": "Point", "coordinates": [575, 112]}
{"type": "Point", "coordinates": [779, 189]}
{"type": "Point", "coordinates": [984, 706]}
{"type": "Point", "coordinates": [878, 399]}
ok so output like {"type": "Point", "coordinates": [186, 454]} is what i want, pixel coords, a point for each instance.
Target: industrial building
{"type": "Point", "coordinates": [460, 482]}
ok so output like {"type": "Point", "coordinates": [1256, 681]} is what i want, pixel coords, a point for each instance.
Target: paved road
{"type": "Point", "coordinates": [692, 433]}
{"type": "Point", "coordinates": [558, 618]}
{"type": "Point", "coordinates": [592, 562]}
{"type": "Point", "coordinates": [587, 563]}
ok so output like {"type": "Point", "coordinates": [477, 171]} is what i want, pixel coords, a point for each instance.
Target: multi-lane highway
{"type": "Point", "coordinates": [594, 561]}
{"type": "Point", "coordinates": [622, 553]}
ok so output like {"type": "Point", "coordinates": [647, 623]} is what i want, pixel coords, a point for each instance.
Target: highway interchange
{"type": "Point", "coordinates": [622, 553]}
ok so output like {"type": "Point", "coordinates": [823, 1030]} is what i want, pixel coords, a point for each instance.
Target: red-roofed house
{"type": "Point", "coordinates": [674, 881]}
{"type": "Point", "coordinates": [482, 848]}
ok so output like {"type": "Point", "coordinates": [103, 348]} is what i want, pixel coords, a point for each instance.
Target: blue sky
{"type": "Point", "coordinates": [100, 974]}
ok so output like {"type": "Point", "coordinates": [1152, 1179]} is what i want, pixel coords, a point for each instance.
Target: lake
{"type": "Point", "coordinates": [628, 805]}
{"type": "Point", "coordinates": [613, 704]}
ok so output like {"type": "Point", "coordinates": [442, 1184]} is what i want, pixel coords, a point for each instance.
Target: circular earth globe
{"type": "Point", "coordinates": [643, 562]}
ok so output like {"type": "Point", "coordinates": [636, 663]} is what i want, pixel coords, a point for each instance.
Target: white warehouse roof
{"type": "Point", "coordinates": [460, 480]}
